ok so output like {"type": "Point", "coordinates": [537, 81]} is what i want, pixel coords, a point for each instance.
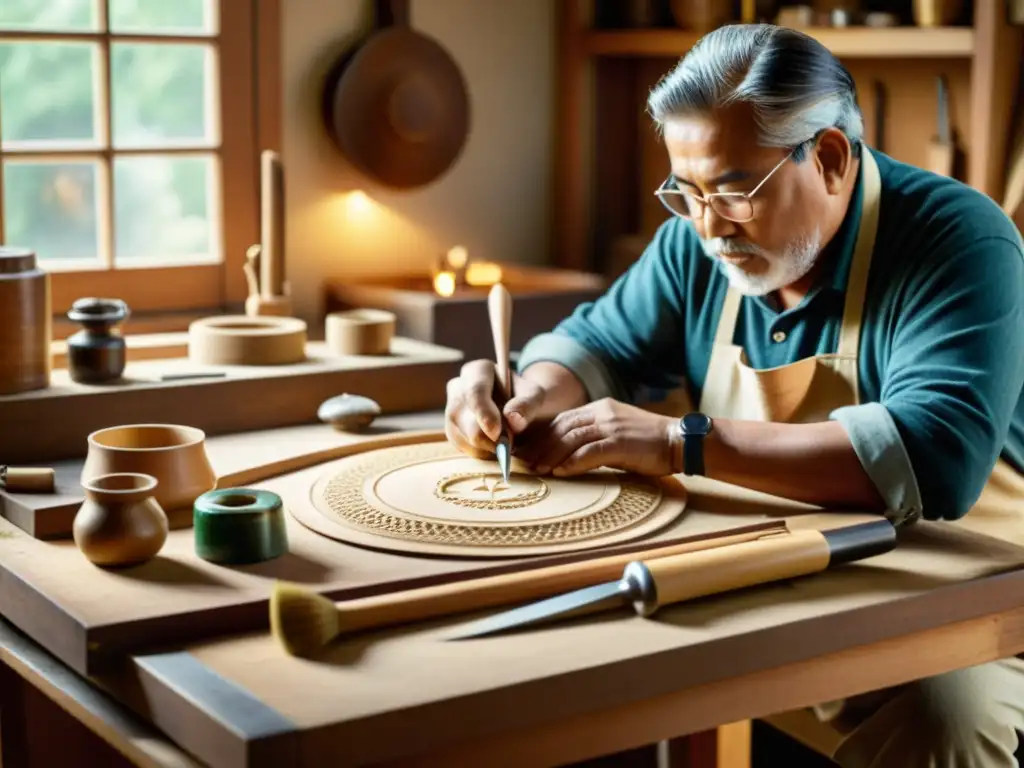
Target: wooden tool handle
{"type": "Point", "coordinates": [505, 589]}
{"type": "Point", "coordinates": [499, 307]}
{"type": "Point", "coordinates": [272, 234]}
{"type": "Point", "coordinates": [759, 562]}
{"type": "Point", "coordinates": [27, 479]}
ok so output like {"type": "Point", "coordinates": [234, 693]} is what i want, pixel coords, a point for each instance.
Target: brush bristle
{"type": "Point", "coordinates": [302, 621]}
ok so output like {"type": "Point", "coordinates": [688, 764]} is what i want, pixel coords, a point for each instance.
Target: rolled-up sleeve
{"type": "Point", "coordinates": [631, 337]}
{"type": "Point", "coordinates": [953, 377]}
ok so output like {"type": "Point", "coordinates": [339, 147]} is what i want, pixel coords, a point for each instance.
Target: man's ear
{"type": "Point", "coordinates": [833, 155]}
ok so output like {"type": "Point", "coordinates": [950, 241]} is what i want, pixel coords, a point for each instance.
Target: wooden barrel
{"type": "Point", "coordinates": [26, 325]}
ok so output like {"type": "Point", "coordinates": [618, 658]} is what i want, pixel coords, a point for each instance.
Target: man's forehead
{"type": "Point", "coordinates": [703, 147]}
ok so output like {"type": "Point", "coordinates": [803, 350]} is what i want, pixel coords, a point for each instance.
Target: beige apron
{"type": "Point", "coordinates": [808, 391]}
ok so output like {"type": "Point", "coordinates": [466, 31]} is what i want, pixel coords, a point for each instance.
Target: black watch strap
{"type": "Point", "coordinates": [694, 428]}
{"type": "Point", "coordinates": [693, 454]}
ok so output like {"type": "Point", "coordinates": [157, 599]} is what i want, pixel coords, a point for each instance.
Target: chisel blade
{"type": "Point", "coordinates": [602, 597]}
{"type": "Point", "coordinates": [504, 454]}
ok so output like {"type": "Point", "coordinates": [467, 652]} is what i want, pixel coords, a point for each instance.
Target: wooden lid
{"type": "Point", "coordinates": [14, 260]}
{"type": "Point", "coordinates": [398, 108]}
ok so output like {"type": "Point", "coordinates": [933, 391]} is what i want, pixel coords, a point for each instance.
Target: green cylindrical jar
{"type": "Point", "coordinates": [236, 526]}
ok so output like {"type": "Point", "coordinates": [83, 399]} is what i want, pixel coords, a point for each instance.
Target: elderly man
{"type": "Point", "coordinates": [849, 328]}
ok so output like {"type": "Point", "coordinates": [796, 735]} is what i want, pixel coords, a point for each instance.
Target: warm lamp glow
{"type": "Point", "coordinates": [457, 257]}
{"type": "Point", "coordinates": [444, 283]}
{"type": "Point", "coordinates": [483, 273]}
{"type": "Point", "coordinates": [358, 204]}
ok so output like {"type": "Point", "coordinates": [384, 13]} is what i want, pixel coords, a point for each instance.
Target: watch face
{"type": "Point", "coordinates": [696, 424]}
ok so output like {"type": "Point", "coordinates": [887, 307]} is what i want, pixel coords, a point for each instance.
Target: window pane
{"type": "Point", "coordinates": [48, 15]}
{"type": "Point", "coordinates": [162, 16]}
{"type": "Point", "coordinates": [51, 208]}
{"type": "Point", "coordinates": [48, 94]}
{"type": "Point", "coordinates": [163, 208]}
{"type": "Point", "coordinates": [161, 95]}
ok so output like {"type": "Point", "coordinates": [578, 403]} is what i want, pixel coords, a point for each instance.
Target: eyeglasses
{"type": "Point", "coordinates": [734, 206]}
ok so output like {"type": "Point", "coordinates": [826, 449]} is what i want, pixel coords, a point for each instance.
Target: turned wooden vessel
{"type": "Point", "coordinates": [360, 331]}
{"type": "Point", "coordinates": [120, 523]}
{"type": "Point", "coordinates": [26, 328]}
{"type": "Point", "coordinates": [174, 455]}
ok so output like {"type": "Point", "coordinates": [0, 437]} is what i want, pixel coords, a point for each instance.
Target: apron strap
{"type": "Point", "coordinates": [727, 319]}
{"type": "Point", "coordinates": [857, 282]}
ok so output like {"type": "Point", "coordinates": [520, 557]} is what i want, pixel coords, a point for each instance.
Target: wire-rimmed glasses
{"type": "Point", "coordinates": [732, 206]}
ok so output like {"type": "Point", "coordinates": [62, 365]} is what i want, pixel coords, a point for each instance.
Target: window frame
{"type": "Point", "coordinates": [248, 43]}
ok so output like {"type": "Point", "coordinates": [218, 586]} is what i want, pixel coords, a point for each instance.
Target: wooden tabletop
{"type": "Point", "coordinates": [946, 598]}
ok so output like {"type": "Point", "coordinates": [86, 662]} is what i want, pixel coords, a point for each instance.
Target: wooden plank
{"type": "Point", "coordinates": [87, 616]}
{"type": "Point", "coordinates": [149, 346]}
{"type": "Point", "coordinates": [237, 459]}
{"type": "Point", "coordinates": [76, 709]}
{"type": "Point", "coordinates": [598, 684]}
{"type": "Point", "coordinates": [247, 398]}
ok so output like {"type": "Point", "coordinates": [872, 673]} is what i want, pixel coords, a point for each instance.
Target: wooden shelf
{"type": "Point", "coordinates": [891, 42]}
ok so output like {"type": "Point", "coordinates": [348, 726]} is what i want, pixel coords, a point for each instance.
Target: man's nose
{"type": "Point", "coordinates": [715, 226]}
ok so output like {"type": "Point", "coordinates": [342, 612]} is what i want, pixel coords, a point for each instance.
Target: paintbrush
{"type": "Point", "coordinates": [499, 307]}
{"type": "Point", "coordinates": [303, 621]}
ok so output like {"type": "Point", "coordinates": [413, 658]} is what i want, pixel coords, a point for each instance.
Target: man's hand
{"type": "Point", "coordinates": [472, 417]}
{"type": "Point", "coordinates": [606, 433]}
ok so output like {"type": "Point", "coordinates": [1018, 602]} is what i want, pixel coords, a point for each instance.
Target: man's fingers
{"type": "Point", "coordinates": [524, 407]}
{"type": "Point", "coordinates": [558, 449]}
{"type": "Point", "coordinates": [477, 382]}
{"type": "Point", "coordinates": [462, 426]}
{"type": "Point", "coordinates": [458, 438]}
{"type": "Point", "coordinates": [587, 457]}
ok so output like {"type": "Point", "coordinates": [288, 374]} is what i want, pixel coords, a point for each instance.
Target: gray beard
{"type": "Point", "coordinates": [783, 269]}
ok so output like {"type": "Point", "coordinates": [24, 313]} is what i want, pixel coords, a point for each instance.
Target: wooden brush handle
{"type": "Point", "coordinates": [505, 589]}
{"type": "Point", "coordinates": [499, 307]}
{"type": "Point", "coordinates": [751, 563]}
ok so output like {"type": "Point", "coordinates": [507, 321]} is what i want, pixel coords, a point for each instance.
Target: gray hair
{"type": "Point", "coordinates": [795, 85]}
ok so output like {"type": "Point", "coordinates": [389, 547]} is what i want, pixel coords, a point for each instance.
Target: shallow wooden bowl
{"type": "Point", "coordinates": [244, 340]}
{"type": "Point", "coordinates": [175, 455]}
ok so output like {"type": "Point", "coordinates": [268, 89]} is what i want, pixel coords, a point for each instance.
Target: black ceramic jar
{"type": "Point", "coordinates": [97, 352]}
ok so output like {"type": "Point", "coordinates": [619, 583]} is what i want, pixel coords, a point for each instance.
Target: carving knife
{"type": "Point", "coordinates": [941, 150]}
{"type": "Point", "coordinates": [499, 307]}
{"type": "Point", "coordinates": [647, 585]}
{"type": "Point", "coordinates": [880, 95]}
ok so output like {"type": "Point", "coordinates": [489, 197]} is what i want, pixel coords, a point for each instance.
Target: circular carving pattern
{"type": "Point", "coordinates": [341, 498]}
{"type": "Point", "coordinates": [489, 491]}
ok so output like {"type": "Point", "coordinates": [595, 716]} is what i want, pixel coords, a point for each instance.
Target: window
{"type": "Point", "coordinates": [129, 147]}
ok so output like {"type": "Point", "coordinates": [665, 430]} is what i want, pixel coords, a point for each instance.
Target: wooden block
{"type": "Point", "coordinates": [411, 378]}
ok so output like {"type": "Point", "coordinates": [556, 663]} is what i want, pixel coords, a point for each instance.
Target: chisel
{"type": "Point", "coordinates": [499, 307]}
{"type": "Point", "coordinates": [647, 585]}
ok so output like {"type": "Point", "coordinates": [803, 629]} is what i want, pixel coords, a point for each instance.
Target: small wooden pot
{"type": "Point", "coordinates": [120, 523]}
{"type": "Point", "coordinates": [360, 332]}
{"type": "Point", "coordinates": [174, 455]}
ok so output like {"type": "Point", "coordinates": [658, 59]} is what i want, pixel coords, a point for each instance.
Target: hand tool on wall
{"type": "Point", "coordinates": [650, 584]}
{"type": "Point", "coordinates": [499, 308]}
{"type": "Point", "coordinates": [880, 103]}
{"type": "Point", "coordinates": [1013, 201]}
{"type": "Point", "coordinates": [944, 156]}
{"type": "Point", "coordinates": [303, 621]}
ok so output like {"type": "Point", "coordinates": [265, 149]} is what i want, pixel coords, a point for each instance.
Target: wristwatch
{"type": "Point", "coordinates": [693, 428]}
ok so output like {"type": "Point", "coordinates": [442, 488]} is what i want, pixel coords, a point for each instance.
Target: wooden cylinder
{"type": "Point", "coordinates": [26, 325]}
{"type": "Point", "coordinates": [27, 479]}
{"type": "Point", "coordinates": [272, 261]}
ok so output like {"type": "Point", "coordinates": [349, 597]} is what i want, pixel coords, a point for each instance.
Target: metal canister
{"type": "Point", "coordinates": [26, 324]}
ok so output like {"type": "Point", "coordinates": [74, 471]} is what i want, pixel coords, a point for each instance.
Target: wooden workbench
{"type": "Point", "coordinates": [947, 598]}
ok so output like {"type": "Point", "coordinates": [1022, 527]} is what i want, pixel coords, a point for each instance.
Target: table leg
{"type": "Point", "coordinates": [728, 746]}
{"type": "Point", "coordinates": [13, 739]}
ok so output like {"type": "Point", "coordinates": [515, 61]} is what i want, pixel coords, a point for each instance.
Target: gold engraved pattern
{"type": "Point", "coordinates": [343, 497]}
{"type": "Point", "coordinates": [488, 491]}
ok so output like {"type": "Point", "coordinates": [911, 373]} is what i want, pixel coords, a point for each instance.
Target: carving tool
{"type": "Point", "coordinates": [880, 98]}
{"type": "Point", "coordinates": [649, 584]}
{"type": "Point", "coordinates": [26, 479]}
{"type": "Point", "coordinates": [499, 307]}
{"type": "Point", "coordinates": [303, 621]}
{"type": "Point", "coordinates": [251, 269]}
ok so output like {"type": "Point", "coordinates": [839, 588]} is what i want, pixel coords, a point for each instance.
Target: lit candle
{"type": "Point", "coordinates": [483, 273]}
{"type": "Point", "coordinates": [444, 283]}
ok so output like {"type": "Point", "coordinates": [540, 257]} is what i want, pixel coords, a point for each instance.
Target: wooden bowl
{"type": "Point", "coordinates": [174, 455]}
{"type": "Point", "coordinates": [244, 340]}
{"type": "Point", "coordinates": [360, 331]}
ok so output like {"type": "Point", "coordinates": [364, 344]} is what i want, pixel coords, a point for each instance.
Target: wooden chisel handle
{"type": "Point", "coordinates": [499, 308]}
{"type": "Point", "coordinates": [675, 579]}
{"type": "Point", "coordinates": [507, 588]}
{"type": "Point", "coordinates": [27, 479]}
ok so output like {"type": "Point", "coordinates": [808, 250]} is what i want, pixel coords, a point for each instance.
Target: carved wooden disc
{"type": "Point", "coordinates": [431, 499]}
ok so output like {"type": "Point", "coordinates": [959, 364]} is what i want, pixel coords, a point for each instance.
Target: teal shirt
{"type": "Point", "coordinates": [941, 363]}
